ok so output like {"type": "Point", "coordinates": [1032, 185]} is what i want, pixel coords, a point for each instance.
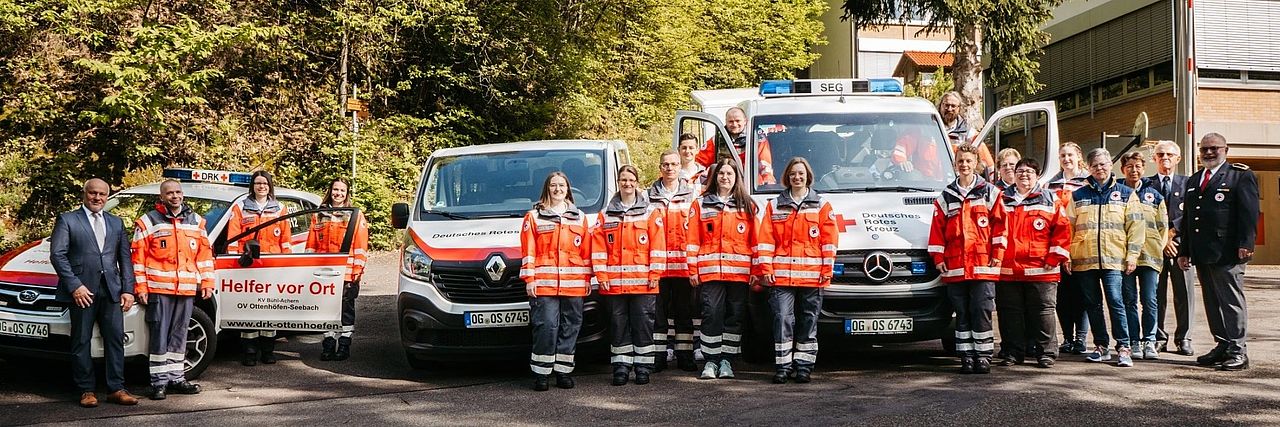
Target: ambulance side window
{"type": "Point", "coordinates": [328, 244]}
{"type": "Point", "coordinates": [298, 225]}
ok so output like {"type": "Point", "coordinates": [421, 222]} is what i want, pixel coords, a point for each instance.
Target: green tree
{"type": "Point", "coordinates": [1007, 31]}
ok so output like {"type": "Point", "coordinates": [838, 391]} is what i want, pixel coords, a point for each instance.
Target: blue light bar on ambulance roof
{"type": "Point", "coordinates": [225, 177]}
{"type": "Point", "coordinates": [828, 87]}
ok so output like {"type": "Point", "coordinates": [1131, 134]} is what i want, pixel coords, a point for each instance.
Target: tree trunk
{"type": "Point", "coordinates": [342, 69]}
{"type": "Point", "coordinates": [967, 70]}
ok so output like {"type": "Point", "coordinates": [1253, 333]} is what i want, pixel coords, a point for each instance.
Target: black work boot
{"type": "Point", "coordinates": [642, 377]}
{"type": "Point", "coordinates": [620, 375]}
{"type": "Point", "coordinates": [685, 361]}
{"type": "Point", "coordinates": [250, 355]}
{"type": "Point", "coordinates": [966, 365]}
{"type": "Point", "coordinates": [982, 365]}
{"type": "Point", "coordinates": [564, 381]}
{"type": "Point", "coordinates": [540, 383]}
{"type": "Point", "coordinates": [344, 349]}
{"type": "Point", "coordinates": [267, 350]}
{"type": "Point", "coordinates": [326, 348]}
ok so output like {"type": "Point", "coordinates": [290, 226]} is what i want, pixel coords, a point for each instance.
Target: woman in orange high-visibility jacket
{"type": "Point", "coordinates": [678, 302]}
{"type": "Point", "coordinates": [722, 257]}
{"type": "Point", "coordinates": [966, 242]}
{"type": "Point", "coordinates": [1037, 233]}
{"type": "Point", "coordinates": [556, 268]}
{"type": "Point", "coordinates": [260, 207]}
{"type": "Point", "coordinates": [328, 229]}
{"type": "Point", "coordinates": [798, 240]}
{"type": "Point", "coordinates": [628, 255]}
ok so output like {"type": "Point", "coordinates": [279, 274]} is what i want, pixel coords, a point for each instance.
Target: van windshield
{"type": "Point", "coordinates": [859, 151]}
{"type": "Point", "coordinates": [496, 185]}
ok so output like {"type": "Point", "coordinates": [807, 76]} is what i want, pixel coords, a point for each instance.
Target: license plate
{"type": "Point", "coordinates": [24, 329]}
{"type": "Point", "coordinates": [496, 319]}
{"type": "Point", "coordinates": [877, 326]}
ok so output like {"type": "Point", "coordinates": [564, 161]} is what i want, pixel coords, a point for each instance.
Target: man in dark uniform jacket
{"type": "Point", "coordinates": [1173, 187]}
{"type": "Point", "coordinates": [1220, 226]}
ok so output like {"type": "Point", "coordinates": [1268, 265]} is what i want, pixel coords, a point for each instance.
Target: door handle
{"type": "Point", "coordinates": [327, 272]}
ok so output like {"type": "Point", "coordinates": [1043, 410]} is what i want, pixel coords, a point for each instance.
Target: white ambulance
{"type": "Point", "coordinates": [460, 295]}
{"type": "Point", "coordinates": [886, 288]}
{"type": "Point", "coordinates": [34, 324]}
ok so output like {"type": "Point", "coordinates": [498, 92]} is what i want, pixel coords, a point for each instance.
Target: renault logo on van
{"type": "Point", "coordinates": [878, 266]}
{"type": "Point", "coordinates": [494, 268]}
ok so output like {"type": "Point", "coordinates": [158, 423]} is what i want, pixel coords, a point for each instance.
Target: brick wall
{"type": "Point", "coordinates": [1086, 129]}
{"type": "Point", "coordinates": [1238, 105]}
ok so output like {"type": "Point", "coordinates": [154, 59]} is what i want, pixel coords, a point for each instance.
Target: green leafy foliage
{"type": "Point", "coordinates": [120, 89]}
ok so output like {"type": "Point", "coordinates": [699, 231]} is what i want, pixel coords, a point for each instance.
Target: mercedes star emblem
{"type": "Point", "coordinates": [494, 268]}
{"type": "Point", "coordinates": [28, 296]}
{"type": "Point", "coordinates": [878, 266]}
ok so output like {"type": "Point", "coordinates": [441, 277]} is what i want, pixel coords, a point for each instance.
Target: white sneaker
{"type": "Point", "coordinates": [726, 371]}
{"type": "Point", "coordinates": [697, 355]}
{"type": "Point", "coordinates": [1149, 351]}
{"type": "Point", "coordinates": [708, 371]}
{"type": "Point", "coordinates": [1099, 354]}
{"type": "Point", "coordinates": [1126, 358]}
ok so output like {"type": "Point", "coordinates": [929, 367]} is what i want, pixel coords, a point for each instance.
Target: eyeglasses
{"type": "Point", "coordinates": [1099, 165]}
{"type": "Point", "coordinates": [1165, 154]}
{"type": "Point", "coordinates": [1212, 148]}
{"type": "Point", "coordinates": [669, 165]}
{"type": "Point", "coordinates": [1025, 172]}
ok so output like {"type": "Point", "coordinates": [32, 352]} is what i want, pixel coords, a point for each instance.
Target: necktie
{"type": "Point", "coordinates": [99, 230]}
{"type": "Point", "coordinates": [1164, 186]}
{"type": "Point", "coordinates": [1205, 182]}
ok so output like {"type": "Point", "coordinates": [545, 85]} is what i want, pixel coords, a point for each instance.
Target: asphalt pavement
{"type": "Point", "coordinates": [909, 384]}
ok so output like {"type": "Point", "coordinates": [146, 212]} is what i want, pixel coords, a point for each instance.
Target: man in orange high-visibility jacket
{"type": "Point", "coordinates": [172, 263]}
{"type": "Point", "coordinates": [735, 122]}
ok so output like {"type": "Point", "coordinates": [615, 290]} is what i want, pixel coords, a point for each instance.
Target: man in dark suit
{"type": "Point", "coordinates": [91, 254]}
{"type": "Point", "coordinates": [1173, 187]}
{"type": "Point", "coordinates": [1219, 229]}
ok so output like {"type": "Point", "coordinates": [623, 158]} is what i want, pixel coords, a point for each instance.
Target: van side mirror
{"type": "Point", "coordinates": [252, 251]}
{"type": "Point", "coordinates": [400, 215]}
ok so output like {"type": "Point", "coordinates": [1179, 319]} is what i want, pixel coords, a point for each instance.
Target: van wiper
{"type": "Point", "coordinates": [499, 215]}
{"type": "Point", "coordinates": [447, 214]}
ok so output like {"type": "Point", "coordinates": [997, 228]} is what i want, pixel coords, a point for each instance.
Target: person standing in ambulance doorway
{"type": "Point", "coordinates": [1071, 307]}
{"type": "Point", "coordinates": [722, 253]}
{"type": "Point", "coordinates": [967, 242]}
{"type": "Point", "coordinates": [172, 263]}
{"type": "Point", "coordinates": [628, 256]}
{"type": "Point", "coordinates": [260, 207]}
{"type": "Point", "coordinates": [798, 240]}
{"type": "Point", "coordinates": [677, 302]}
{"type": "Point", "coordinates": [328, 229]}
{"type": "Point", "coordinates": [556, 268]}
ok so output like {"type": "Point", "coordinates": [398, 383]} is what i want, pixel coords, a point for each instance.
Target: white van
{"type": "Point", "coordinates": [886, 288]}
{"type": "Point", "coordinates": [460, 295]}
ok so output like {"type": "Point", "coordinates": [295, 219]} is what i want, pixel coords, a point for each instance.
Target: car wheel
{"type": "Point", "coordinates": [415, 362]}
{"type": "Point", "coordinates": [202, 343]}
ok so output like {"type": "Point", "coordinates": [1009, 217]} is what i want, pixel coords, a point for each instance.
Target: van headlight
{"type": "Point", "coordinates": [415, 263]}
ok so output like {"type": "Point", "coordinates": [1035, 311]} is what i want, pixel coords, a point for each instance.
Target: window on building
{"type": "Point", "coordinates": [1111, 89]}
{"type": "Point", "coordinates": [1137, 81]}
{"type": "Point", "coordinates": [1206, 73]}
{"type": "Point", "coordinates": [1067, 102]}
{"type": "Point", "coordinates": [1263, 75]}
{"type": "Point", "coordinates": [1162, 74]}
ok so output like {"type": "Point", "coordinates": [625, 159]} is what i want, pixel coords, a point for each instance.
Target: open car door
{"type": "Point", "coordinates": [1030, 128]}
{"type": "Point", "coordinates": [300, 291]}
{"type": "Point", "coordinates": [709, 130]}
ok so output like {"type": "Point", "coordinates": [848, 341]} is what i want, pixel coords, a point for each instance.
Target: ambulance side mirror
{"type": "Point", "coordinates": [252, 251]}
{"type": "Point", "coordinates": [400, 215]}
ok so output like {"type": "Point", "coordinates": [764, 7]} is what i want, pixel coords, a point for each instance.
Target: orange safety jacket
{"type": "Point", "coordinates": [798, 240]}
{"type": "Point", "coordinates": [676, 209]}
{"type": "Point", "coordinates": [171, 253]}
{"type": "Point", "coordinates": [722, 241]}
{"type": "Point", "coordinates": [968, 232]}
{"type": "Point", "coordinates": [246, 214]}
{"type": "Point", "coordinates": [628, 247]}
{"type": "Point", "coordinates": [329, 229]}
{"type": "Point", "coordinates": [556, 250]}
{"type": "Point", "coordinates": [764, 156]}
{"type": "Point", "coordinates": [1038, 233]}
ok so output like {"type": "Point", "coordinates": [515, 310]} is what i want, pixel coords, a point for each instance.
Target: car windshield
{"type": "Point", "coordinates": [130, 207]}
{"type": "Point", "coordinates": [858, 151]}
{"type": "Point", "coordinates": [496, 185]}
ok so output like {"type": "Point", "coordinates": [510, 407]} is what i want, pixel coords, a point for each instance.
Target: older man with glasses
{"type": "Point", "coordinates": [1172, 186]}
{"type": "Point", "coordinates": [1220, 229]}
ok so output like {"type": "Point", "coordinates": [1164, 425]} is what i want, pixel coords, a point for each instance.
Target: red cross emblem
{"type": "Point", "coordinates": [845, 223]}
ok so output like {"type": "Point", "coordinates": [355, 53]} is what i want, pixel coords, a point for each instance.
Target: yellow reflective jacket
{"type": "Point", "coordinates": [1107, 226]}
{"type": "Point", "coordinates": [1155, 221]}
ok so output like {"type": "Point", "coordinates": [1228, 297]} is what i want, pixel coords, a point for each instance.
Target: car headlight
{"type": "Point", "coordinates": [415, 263]}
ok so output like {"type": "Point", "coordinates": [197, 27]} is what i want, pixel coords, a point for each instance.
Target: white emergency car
{"type": "Point", "coordinates": [460, 294]}
{"type": "Point", "coordinates": [33, 324]}
{"type": "Point", "coordinates": [886, 288]}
